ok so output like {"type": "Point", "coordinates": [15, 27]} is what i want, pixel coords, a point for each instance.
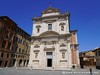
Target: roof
{"type": "Point", "coordinates": [6, 18]}
{"type": "Point", "coordinates": [97, 49]}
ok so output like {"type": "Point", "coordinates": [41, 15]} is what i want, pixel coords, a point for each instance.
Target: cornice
{"type": "Point", "coordinates": [53, 16]}
{"type": "Point", "coordinates": [51, 36]}
{"type": "Point", "coordinates": [73, 30]}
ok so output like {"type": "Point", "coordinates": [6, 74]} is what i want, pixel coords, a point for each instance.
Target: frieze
{"type": "Point", "coordinates": [48, 42]}
{"type": "Point", "coordinates": [49, 21]}
{"type": "Point", "coordinates": [35, 60]}
{"type": "Point", "coordinates": [50, 49]}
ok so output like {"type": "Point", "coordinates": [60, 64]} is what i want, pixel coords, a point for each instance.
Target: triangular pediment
{"type": "Point", "coordinates": [50, 10]}
{"type": "Point", "coordinates": [49, 33]}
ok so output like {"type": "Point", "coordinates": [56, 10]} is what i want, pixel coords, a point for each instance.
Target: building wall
{"type": "Point", "coordinates": [98, 62]}
{"type": "Point", "coordinates": [74, 48]}
{"type": "Point", "coordinates": [88, 59]}
{"type": "Point", "coordinates": [97, 52]}
{"type": "Point", "coordinates": [22, 48]}
{"type": "Point", "coordinates": [55, 25]}
{"type": "Point", "coordinates": [6, 41]}
{"type": "Point", "coordinates": [13, 38]}
{"type": "Point", "coordinates": [58, 61]}
{"type": "Point", "coordinates": [58, 40]}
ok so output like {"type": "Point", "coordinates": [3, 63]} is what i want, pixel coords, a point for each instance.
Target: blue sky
{"type": "Point", "coordinates": [84, 17]}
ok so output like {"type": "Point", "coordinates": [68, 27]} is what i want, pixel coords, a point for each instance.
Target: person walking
{"type": "Point", "coordinates": [90, 71]}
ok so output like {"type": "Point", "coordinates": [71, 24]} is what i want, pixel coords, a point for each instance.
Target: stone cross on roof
{"type": "Point", "coordinates": [50, 4]}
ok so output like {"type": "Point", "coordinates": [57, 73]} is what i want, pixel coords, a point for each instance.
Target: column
{"type": "Point", "coordinates": [15, 64]}
{"type": "Point", "coordinates": [69, 56]}
{"type": "Point", "coordinates": [26, 63]}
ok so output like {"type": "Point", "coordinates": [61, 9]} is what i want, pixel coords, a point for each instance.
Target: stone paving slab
{"type": "Point", "coordinates": [27, 71]}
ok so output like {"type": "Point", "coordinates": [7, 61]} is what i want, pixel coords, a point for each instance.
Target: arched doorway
{"type": "Point", "coordinates": [20, 62]}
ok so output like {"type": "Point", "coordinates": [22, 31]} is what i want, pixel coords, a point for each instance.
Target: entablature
{"type": "Point", "coordinates": [52, 16]}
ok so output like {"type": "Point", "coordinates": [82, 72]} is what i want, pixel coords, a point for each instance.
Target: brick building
{"type": "Point", "coordinates": [97, 52]}
{"type": "Point", "coordinates": [7, 33]}
{"type": "Point", "coordinates": [87, 59]}
{"type": "Point", "coordinates": [14, 44]}
{"type": "Point", "coordinates": [21, 48]}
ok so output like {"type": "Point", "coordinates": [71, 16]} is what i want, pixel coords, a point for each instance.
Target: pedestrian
{"type": "Point", "coordinates": [73, 66]}
{"type": "Point", "coordinates": [90, 71]}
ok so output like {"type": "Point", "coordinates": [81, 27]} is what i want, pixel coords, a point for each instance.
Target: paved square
{"type": "Point", "coordinates": [27, 71]}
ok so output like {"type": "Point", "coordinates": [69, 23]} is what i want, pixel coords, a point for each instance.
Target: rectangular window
{"type": "Point", "coordinates": [99, 53]}
{"type": "Point", "coordinates": [16, 49]}
{"type": "Point", "coordinates": [2, 54]}
{"type": "Point", "coordinates": [19, 50]}
{"type": "Point", "coordinates": [6, 63]}
{"type": "Point", "coordinates": [24, 42]}
{"type": "Point", "coordinates": [22, 50]}
{"type": "Point", "coordinates": [7, 55]}
{"type": "Point", "coordinates": [12, 55]}
{"type": "Point", "coordinates": [3, 44]}
{"type": "Point", "coordinates": [96, 53]}
{"type": "Point", "coordinates": [49, 26]}
{"type": "Point", "coordinates": [11, 35]}
{"type": "Point", "coordinates": [9, 45]}
{"type": "Point", "coordinates": [0, 63]}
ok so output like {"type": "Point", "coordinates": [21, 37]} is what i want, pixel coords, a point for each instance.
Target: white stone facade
{"type": "Point", "coordinates": [51, 41]}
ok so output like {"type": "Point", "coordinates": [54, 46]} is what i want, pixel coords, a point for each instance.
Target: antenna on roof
{"type": "Point", "coordinates": [50, 4]}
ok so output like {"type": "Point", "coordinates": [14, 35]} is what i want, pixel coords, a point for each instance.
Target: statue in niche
{"type": "Point", "coordinates": [62, 28]}
{"type": "Point", "coordinates": [63, 55]}
{"type": "Point", "coordinates": [38, 28]}
{"type": "Point", "coordinates": [36, 55]}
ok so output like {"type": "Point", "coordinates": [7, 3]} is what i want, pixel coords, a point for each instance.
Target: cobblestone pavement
{"type": "Point", "coordinates": [27, 71]}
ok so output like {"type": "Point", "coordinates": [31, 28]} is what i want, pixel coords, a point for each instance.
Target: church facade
{"type": "Point", "coordinates": [53, 44]}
